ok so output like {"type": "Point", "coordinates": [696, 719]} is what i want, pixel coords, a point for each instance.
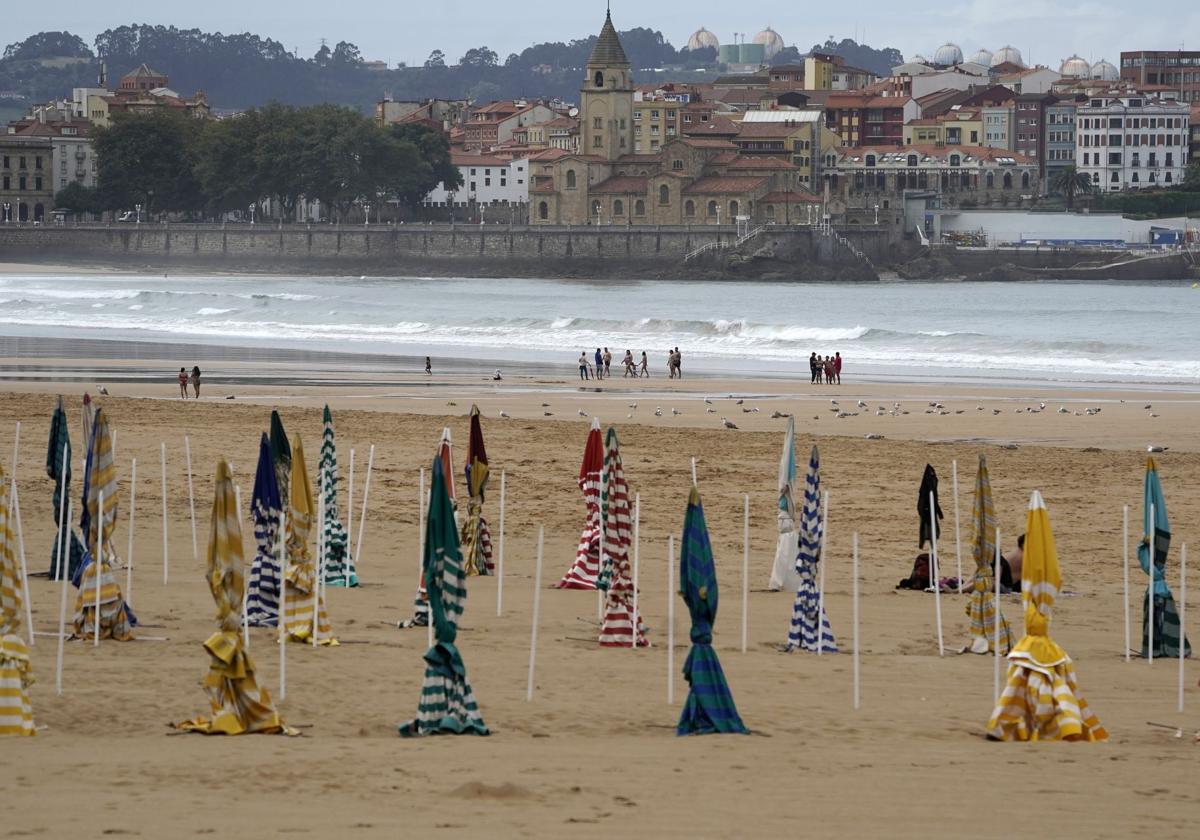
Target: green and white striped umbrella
{"type": "Point", "coordinates": [337, 562]}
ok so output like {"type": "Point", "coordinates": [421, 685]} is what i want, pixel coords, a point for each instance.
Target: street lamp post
{"type": "Point", "coordinates": [877, 214]}
{"type": "Point", "coordinates": [138, 208]}
{"type": "Point", "coordinates": [7, 212]}
{"type": "Point", "coordinates": [366, 213]}
{"type": "Point", "coordinates": [253, 208]}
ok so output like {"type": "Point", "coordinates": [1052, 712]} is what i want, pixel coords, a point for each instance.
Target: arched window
{"type": "Point", "coordinates": [990, 180]}
{"type": "Point", "coordinates": [39, 213]}
{"type": "Point", "coordinates": [912, 160]}
{"type": "Point", "coordinates": [618, 208]}
{"type": "Point", "coordinates": [689, 208]}
{"type": "Point", "coordinates": [712, 208]}
{"type": "Point", "coordinates": [1008, 180]}
{"type": "Point", "coordinates": [639, 208]}
{"type": "Point", "coordinates": [1024, 180]}
{"type": "Point", "coordinates": [570, 179]}
{"type": "Point", "coordinates": [596, 208]}
{"type": "Point", "coordinates": [543, 211]}
{"type": "Point", "coordinates": [733, 209]}
{"type": "Point", "coordinates": [598, 80]}
{"type": "Point", "coordinates": [770, 211]}
{"type": "Point", "coordinates": [870, 160]}
{"type": "Point", "coordinates": [664, 194]}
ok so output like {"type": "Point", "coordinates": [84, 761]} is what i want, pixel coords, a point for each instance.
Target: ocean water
{"type": "Point", "coordinates": [1119, 332]}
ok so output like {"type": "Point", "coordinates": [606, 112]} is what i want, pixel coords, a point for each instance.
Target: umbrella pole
{"type": "Point", "coordinates": [64, 545]}
{"type": "Point", "coordinates": [1150, 593]}
{"type": "Point", "coordinates": [935, 572]}
{"type": "Point", "coordinates": [16, 448]}
{"type": "Point", "coordinates": [745, 569]}
{"type": "Point", "coordinates": [537, 595]}
{"type": "Point", "coordinates": [854, 597]}
{"type": "Point", "coordinates": [350, 515]}
{"type": "Point", "coordinates": [637, 547]}
{"type": "Point", "coordinates": [362, 517]}
{"type": "Point", "coordinates": [671, 620]}
{"type": "Point", "coordinates": [132, 514]}
{"type": "Point", "coordinates": [21, 550]}
{"type": "Point", "coordinates": [163, 458]}
{"type": "Point", "coordinates": [99, 570]}
{"type": "Point", "coordinates": [63, 564]}
{"type": "Point", "coordinates": [281, 620]}
{"type": "Point", "coordinates": [957, 531]}
{"type": "Point", "coordinates": [1183, 615]}
{"type": "Point", "coordinates": [237, 495]}
{"type": "Point", "coordinates": [1125, 575]}
{"type": "Point", "coordinates": [996, 627]}
{"type": "Point", "coordinates": [187, 449]}
{"type": "Point", "coordinates": [320, 564]}
{"type": "Point", "coordinates": [821, 575]}
{"type": "Point", "coordinates": [500, 561]}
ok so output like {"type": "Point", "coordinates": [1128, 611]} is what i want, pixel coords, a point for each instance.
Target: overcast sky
{"type": "Point", "coordinates": [407, 30]}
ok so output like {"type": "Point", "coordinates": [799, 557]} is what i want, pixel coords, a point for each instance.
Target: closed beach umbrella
{"type": "Point", "coordinates": [476, 536]}
{"type": "Point", "coordinates": [445, 457]}
{"type": "Point", "coordinates": [981, 604]}
{"type": "Point", "coordinates": [809, 621]}
{"type": "Point", "coordinates": [88, 420]}
{"type": "Point", "coordinates": [783, 572]}
{"type": "Point", "coordinates": [616, 575]}
{"type": "Point", "coordinates": [100, 479]}
{"type": "Point", "coordinates": [300, 576]}
{"type": "Point", "coordinates": [930, 528]}
{"type": "Point", "coordinates": [709, 708]}
{"type": "Point", "coordinates": [58, 468]}
{"type": "Point", "coordinates": [1167, 631]}
{"type": "Point", "coordinates": [338, 565]}
{"type": "Point", "coordinates": [16, 675]}
{"type": "Point", "coordinates": [281, 457]}
{"type": "Point", "coordinates": [586, 568]}
{"type": "Point", "coordinates": [447, 705]}
{"type": "Point", "coordinates": [262, 605]}
{"type": "Point", "coordinates": [1041, 700]}
{"type": "Point", "coordinates": [239, 705]}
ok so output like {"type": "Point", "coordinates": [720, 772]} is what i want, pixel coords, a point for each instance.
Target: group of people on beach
{"type": "Point", "coordinates": [602, 367]}
{"type": "Point", "coordinates": [827, 370]}
{"type": "Point", "coordinates": [184, 379]}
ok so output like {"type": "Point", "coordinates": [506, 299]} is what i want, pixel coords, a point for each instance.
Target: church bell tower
{"type": "Point", "coordinates": [606, 129]}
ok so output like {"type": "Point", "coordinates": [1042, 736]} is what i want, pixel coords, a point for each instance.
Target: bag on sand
{"type": "Point", "coordinates": [919, 579]}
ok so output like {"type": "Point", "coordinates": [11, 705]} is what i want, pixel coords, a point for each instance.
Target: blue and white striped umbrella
{"type": "Point", "coordinates": [803, 634]}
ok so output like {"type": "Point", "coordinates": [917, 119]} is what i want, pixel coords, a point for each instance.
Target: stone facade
{"type": "Point", "coordinates": [26, 179]}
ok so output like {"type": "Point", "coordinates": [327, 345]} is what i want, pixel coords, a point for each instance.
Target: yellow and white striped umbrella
{"type": "Point", "coordinates": [16, 714]}
{"type": "Point", "coordinates": [300, 576]}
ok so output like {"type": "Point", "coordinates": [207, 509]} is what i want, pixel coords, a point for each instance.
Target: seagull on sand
{"type": "Point", "coordinates": [728, 424]}
{"type": "Point", "coordinates": [582, 413]}
{"type": "Point", "coordinates": [675, 412]}
{"type": "Point", "coordinates": [504, 414]}
{"type": "Point", "coordinates": [707, 400]}
{"type": "Point", "coordinates": [658, 412]}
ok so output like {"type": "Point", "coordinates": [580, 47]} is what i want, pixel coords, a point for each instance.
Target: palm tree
{"type": "Point", "coordinates": [1070, 182]}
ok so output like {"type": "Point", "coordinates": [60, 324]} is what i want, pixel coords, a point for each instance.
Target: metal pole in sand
{"type": "Point", "coordinates": [1150, 593]}
{"type": "Point", "coordinates": [745, 569]}
{"type": "Point", "coordinates": [132, 515]}
{"type": "Point", "coordinates": [350, 514]}
{"type": "Point", "coordinates": [282, 618]}
{"type": "Point", "coordinates": [637, 549]}
{"type": "Point", "coordinates": [1125, 575]}
{"type": "Point", "coordinates": [362, 520]}
{"type": "Point", "coordinates": [63, 561]}
{"type": "Point", "coordinates": [996, 629]}
{"type": "Point", "coordinates": [957, 531]}
{"type": "Point", "coordinates": [821, 574]}
{"type": "Point", "coordinates": [320, 564]}
{"type": "Point", "coordinates": [671, 620]}
{"type": "Point", "coordinates": [854, 599]}
{"type": "Point", "coordinates": [500, 561]}
{"type": "Point", "coordinates": [935, 572]}
{"type": "Point", "coordinates": [537, 596]}
{"type": "Point", "coordinates": [237, 495]}
{"type": "Point", "coordinates": [187, 449]}
{"type": "Point", "coordinates": [64, 545]}
{"type": "Point", "coordinates": [163, 458]}
{"type": "Point", "coordinates": [21, 553]}
{"type": "Point", "coordinates": [600, 556]}
{"type": "Point", "coordinates": [99, 570]}
{"type": "Point", "coordinates": [1182, 617]}
{"type": "Point", "coordinates": [16, 448]}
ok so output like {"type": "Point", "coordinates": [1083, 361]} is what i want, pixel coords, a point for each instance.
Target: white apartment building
{"type": "Point", "coordinates": [997, 126]}
{"type": "Point", "coordinates": [1132, 142]}
{"type": "Point", "coordinates": [486, 180]}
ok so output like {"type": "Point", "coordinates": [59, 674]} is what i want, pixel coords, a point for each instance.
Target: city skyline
{"type": "Point", "coordinates": [1046, 32]}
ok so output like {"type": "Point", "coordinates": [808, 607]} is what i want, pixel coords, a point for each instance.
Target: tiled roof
{"type": "Point", "coordinates": [459, 159]}
{"type": "Point", "coordinates": [608, 51]}
{"type": "Point", "coordinates": [747, 163]}
{"type": "Point", "coordinates": [717, 126]}
{"type": "Point", "coordinates": [748, 130]}
{"type": "Point", "coordinates": [707, 143]}
{"type": "Point", "coordinates": [790, 197]}
{"type": "Point", "coordinates": [723, 185]}
{"type": "Point", "coordinates": [619, 184]}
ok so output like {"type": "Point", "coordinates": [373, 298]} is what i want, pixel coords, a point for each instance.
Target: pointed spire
{"type": "Point", "coordinates": [608, 51]}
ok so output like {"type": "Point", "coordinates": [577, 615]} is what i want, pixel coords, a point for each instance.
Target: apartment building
{"type": "Point", "coordinates": [1132, 141]}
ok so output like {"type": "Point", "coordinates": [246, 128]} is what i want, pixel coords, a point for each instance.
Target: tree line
{"type": "Point", "coordinates": [201, 169]}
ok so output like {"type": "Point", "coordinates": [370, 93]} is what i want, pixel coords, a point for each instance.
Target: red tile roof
{"type": "Point", "coordinates": [747, 163]}
{"type": "Point", "coordinates": [707, 143]}
{"type": "Point", "coordinates": [790, 197]}
{"type": "Point", "coordinates": [723, 185]}
{"type": "Point", "coordinates": [619, 185]}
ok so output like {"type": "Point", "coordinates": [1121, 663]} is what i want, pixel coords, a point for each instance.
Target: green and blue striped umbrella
{"type": "Point", "coordinates": [447, 705]}
{"type": "Point", "coordinates": [709, 708]}
{"type": "Point", "coordinates": [1168, 634]}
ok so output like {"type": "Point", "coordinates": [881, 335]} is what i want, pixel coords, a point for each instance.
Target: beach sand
{"type": "Point", "coordinates": [595, 752]}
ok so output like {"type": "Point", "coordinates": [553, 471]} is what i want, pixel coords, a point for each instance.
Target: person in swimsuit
{"type": "Point", "coordinates": [645, 365]}
{"type": "Point", "coordinates": [837, 367]}
{"type": "Point", "coordinates": [630, 366]}
{"type": "Point", "coordinates": [183, 383]}
{"type": "Point", "coordinates": [196, 380]}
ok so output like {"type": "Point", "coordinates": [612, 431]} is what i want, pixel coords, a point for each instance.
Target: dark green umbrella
{"type": "Point", "coordinates": [447, 705]}
{"type": "Point", "coordinates": [281, 457]}
{"type": "Point", "coordinates": [709, 708]}
{"type": "Point", "coordinates": [58, 468]}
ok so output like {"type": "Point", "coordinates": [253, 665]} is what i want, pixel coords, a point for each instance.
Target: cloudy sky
{"type": "Point", "coordinates": [406, 30]}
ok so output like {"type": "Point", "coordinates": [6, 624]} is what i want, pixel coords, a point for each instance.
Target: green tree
{"type": "Point", "coordinates": [433, 148]}
{"type": "Point", "coordinates": [437, 58]}
{"type": "Point", "coordinates": [1191, 177]}
{"type": "Point", "coordinates": [48, 45]}
{"type": "Point", "coordinates": [149, 159]}
{"type": "Point", "coordinates": [227, 165]}
{"type": "Point", "coordinates": [1070, 182]}
{"type": "Point", "coordinates": [75, 196]}
{"type": "Point", "coordinates": [280, 158]}
{"type": "Point", "coordinates": [479, 57]}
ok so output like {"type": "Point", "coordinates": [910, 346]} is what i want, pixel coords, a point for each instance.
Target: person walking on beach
{"type": "Point", "coordinates": [583, 365]}
{"type": "Point", "coordinates": [630, 367]}
{"type": "Point", "coordinates": [645, 365]}
{"type": "Point", "coordinates": [813, 366]}
{"type": "Point", "coordinates": [599, 364]}
{"type": "Point", "coordinates": [183, 383]}
{"type": "Point", "coordinates": [607, 363]}
{"type": "Point", "coordinates": [670, 364]}
{"type": "Point", "coordinates": [678, 360]}
{"type": "Point", "coordinates": [428, 366]}
{"type": "Point", "coordinates": [196, 380]}
{"type": "Point", "coordinates": [837, 367]}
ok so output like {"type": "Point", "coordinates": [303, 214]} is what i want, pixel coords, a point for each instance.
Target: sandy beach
{"type": "Point", "coordinates": [595, 752]}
